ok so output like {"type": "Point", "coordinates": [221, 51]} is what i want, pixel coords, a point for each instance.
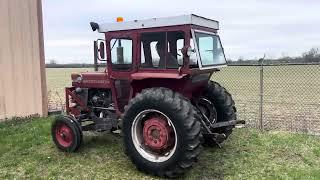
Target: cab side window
{"type": "Point", "coordinates": [121, 54]}
{"type": "Point", "coordinates": [150, 55]}
{"type": "Point", "coordinates": [151, 59]}
{"type": "Point", "coordinates": [159, 50]}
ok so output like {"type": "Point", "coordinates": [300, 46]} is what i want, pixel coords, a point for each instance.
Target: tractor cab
{"type": "Point", "coordinates": [181, 44]}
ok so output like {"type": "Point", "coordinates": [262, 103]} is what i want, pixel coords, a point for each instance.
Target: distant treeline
{"type": "Point", "coordinates": [54, 65]}
{"type": "Point", "coordinates": [310, 57]}
{"type": "Point", "coordinates": [73, 65]}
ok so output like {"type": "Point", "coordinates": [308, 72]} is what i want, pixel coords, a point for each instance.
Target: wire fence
{"type": "Point", "coordinates": [269, 97]}
{"type": "Point", "coordinates": [55, 102]}
{"type": "Point", "coordinates": [282, 96]}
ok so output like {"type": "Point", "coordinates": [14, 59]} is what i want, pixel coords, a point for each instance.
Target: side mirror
{"type": "Point", "coordinates": [101, 50]}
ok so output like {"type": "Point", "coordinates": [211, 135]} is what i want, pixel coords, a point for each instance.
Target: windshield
{"type": "Point", "coordinates": [210, 49]}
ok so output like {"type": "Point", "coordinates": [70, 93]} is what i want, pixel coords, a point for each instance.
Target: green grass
{"type": "Point", "coordinates": [26, 151]}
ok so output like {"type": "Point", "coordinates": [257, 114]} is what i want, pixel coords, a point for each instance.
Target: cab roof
{"type": "Point", "coordinates": [190, 19]}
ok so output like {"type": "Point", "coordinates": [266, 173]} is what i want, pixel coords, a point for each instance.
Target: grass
{"type": "Point", "coordinates": [27, 152]}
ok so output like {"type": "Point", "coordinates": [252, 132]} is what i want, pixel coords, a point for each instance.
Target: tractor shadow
{"type": "Point", "coordinates": [209, 164]}
{"type": "Point", "coordinates": [212, 163]}
{"type": "Point", "coordinates": [101, 141]}
{"type": "Point", "coordinates": [218, 162]}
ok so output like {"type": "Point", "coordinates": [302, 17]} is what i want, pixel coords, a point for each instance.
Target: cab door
{"type": "Point", "coordinates": [121, 56]}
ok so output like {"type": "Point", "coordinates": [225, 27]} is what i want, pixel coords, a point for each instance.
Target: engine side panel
{"type": "Point", "coordinates": [91, 80]}
{"type": "Point", "coordinates": [84, 100]}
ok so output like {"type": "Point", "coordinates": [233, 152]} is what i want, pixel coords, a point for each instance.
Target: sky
{"type": "Point", "coordinates": [248, 28]}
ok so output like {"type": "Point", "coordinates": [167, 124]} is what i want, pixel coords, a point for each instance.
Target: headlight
{"type": "Point", "coordinates": [78, 90]}
{"type": "Point", "coordinates": [78, 79]}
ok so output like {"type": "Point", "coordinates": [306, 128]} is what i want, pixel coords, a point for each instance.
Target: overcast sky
{"type": "Point", "coordinates": [248, 28]}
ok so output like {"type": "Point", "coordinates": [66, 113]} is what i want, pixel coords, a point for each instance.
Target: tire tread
{"type": "Point", "coordinates": [183, 110]}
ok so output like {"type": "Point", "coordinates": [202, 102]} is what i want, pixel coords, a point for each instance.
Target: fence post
{"type": "Point", "coordinates": [261, 96]}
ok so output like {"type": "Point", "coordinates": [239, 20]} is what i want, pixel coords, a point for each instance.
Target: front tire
{"type": "Point", "coordinates": [66, 134]}
{"type": "Point", "coordinates": [161, 133]}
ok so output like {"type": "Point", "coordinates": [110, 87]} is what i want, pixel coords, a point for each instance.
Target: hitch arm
{"type": "Point", "coordinates": [227, 123]}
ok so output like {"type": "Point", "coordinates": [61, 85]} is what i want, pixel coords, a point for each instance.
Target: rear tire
{"type": "Point", "coordinates": [178, 111]}
{"type": "Point", "coordinates": [66, 134]}
{"type": "Point", "coordinates": [225, 108]}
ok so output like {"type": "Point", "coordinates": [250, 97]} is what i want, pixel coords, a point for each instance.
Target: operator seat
{"type": "Point", "coordinates": [172, 62]}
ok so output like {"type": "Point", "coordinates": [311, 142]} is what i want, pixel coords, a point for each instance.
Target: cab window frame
{"type": "Point", "coordinates": [121, 67]}
{"type": "Point", "coordinates": [201, 66]}
{"type": "Point", "coordinates": [142, 42]}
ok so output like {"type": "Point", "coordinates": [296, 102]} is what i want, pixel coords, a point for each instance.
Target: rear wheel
{"type": "Point", "coordinates": [220, 106]}
{"type": "Point", "coordinates": [161, 133]}
{"type": "Point", "coordinates": [154, 131]}
{"type": "Point", "coordinates": [66, 134]}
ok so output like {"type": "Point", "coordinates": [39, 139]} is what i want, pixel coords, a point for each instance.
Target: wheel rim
{"type": "Point", "coordinates": [207, 107]}
{"type": "Point", "coordinates": [154, 135]}
{"type": "Point", "coordinates": [64, 135]}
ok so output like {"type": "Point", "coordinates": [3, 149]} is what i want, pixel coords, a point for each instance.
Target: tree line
{"type": "Point", "coordinates": [311, 56]}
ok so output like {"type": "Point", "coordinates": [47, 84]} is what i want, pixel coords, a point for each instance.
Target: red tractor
{"type": "Point", "coordinates": [156, 89]}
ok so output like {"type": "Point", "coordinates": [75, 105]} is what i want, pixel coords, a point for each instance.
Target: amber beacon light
{"type": "Point", "coordinates": [119, 19]}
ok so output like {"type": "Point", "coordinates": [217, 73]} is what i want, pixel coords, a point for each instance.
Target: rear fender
{"type": "Point", "coordinates": [190, 87]}
{"type": "Point", "coordinates": [177, 85]}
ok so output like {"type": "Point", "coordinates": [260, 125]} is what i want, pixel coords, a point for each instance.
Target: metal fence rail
{"type": "Point", "coordinates": [270, 97]}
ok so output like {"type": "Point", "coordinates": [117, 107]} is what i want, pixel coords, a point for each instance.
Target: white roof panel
{"type": "Point", "coordinates": [160, 22]}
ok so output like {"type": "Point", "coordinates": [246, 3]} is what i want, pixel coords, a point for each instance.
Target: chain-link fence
{"type": "Point", "coordinates": [56, 102]}
{"type": "Point", "coordinates": [283, 96]}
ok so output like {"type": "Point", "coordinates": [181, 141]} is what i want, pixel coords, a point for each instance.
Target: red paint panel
{"type": "Point", "coordinates": [177, 85]}
{"type": "Point", "coordinates": [91, 80]}
{"type": "Point", "coordinates": [147, 75]}
{"type": "Point", "coordinates": [73, 110]}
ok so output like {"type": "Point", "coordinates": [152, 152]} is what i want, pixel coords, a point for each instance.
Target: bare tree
{"type": "Point", "coordinates": [312, 55]}
{"type": "Point", "coordinates": [52, 61]}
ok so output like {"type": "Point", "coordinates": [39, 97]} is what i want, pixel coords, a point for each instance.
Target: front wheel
{"type": "Point", "coordinates": [161, 133]}
{"type": "Point", "coordinates": [66, 134]}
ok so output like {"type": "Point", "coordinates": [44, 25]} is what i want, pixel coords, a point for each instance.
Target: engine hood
{"type": "Point", "coordinates": [90, 80]}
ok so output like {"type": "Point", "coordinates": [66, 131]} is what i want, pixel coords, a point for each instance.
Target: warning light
{"type": "Point", "coordinates": [119, 19]}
